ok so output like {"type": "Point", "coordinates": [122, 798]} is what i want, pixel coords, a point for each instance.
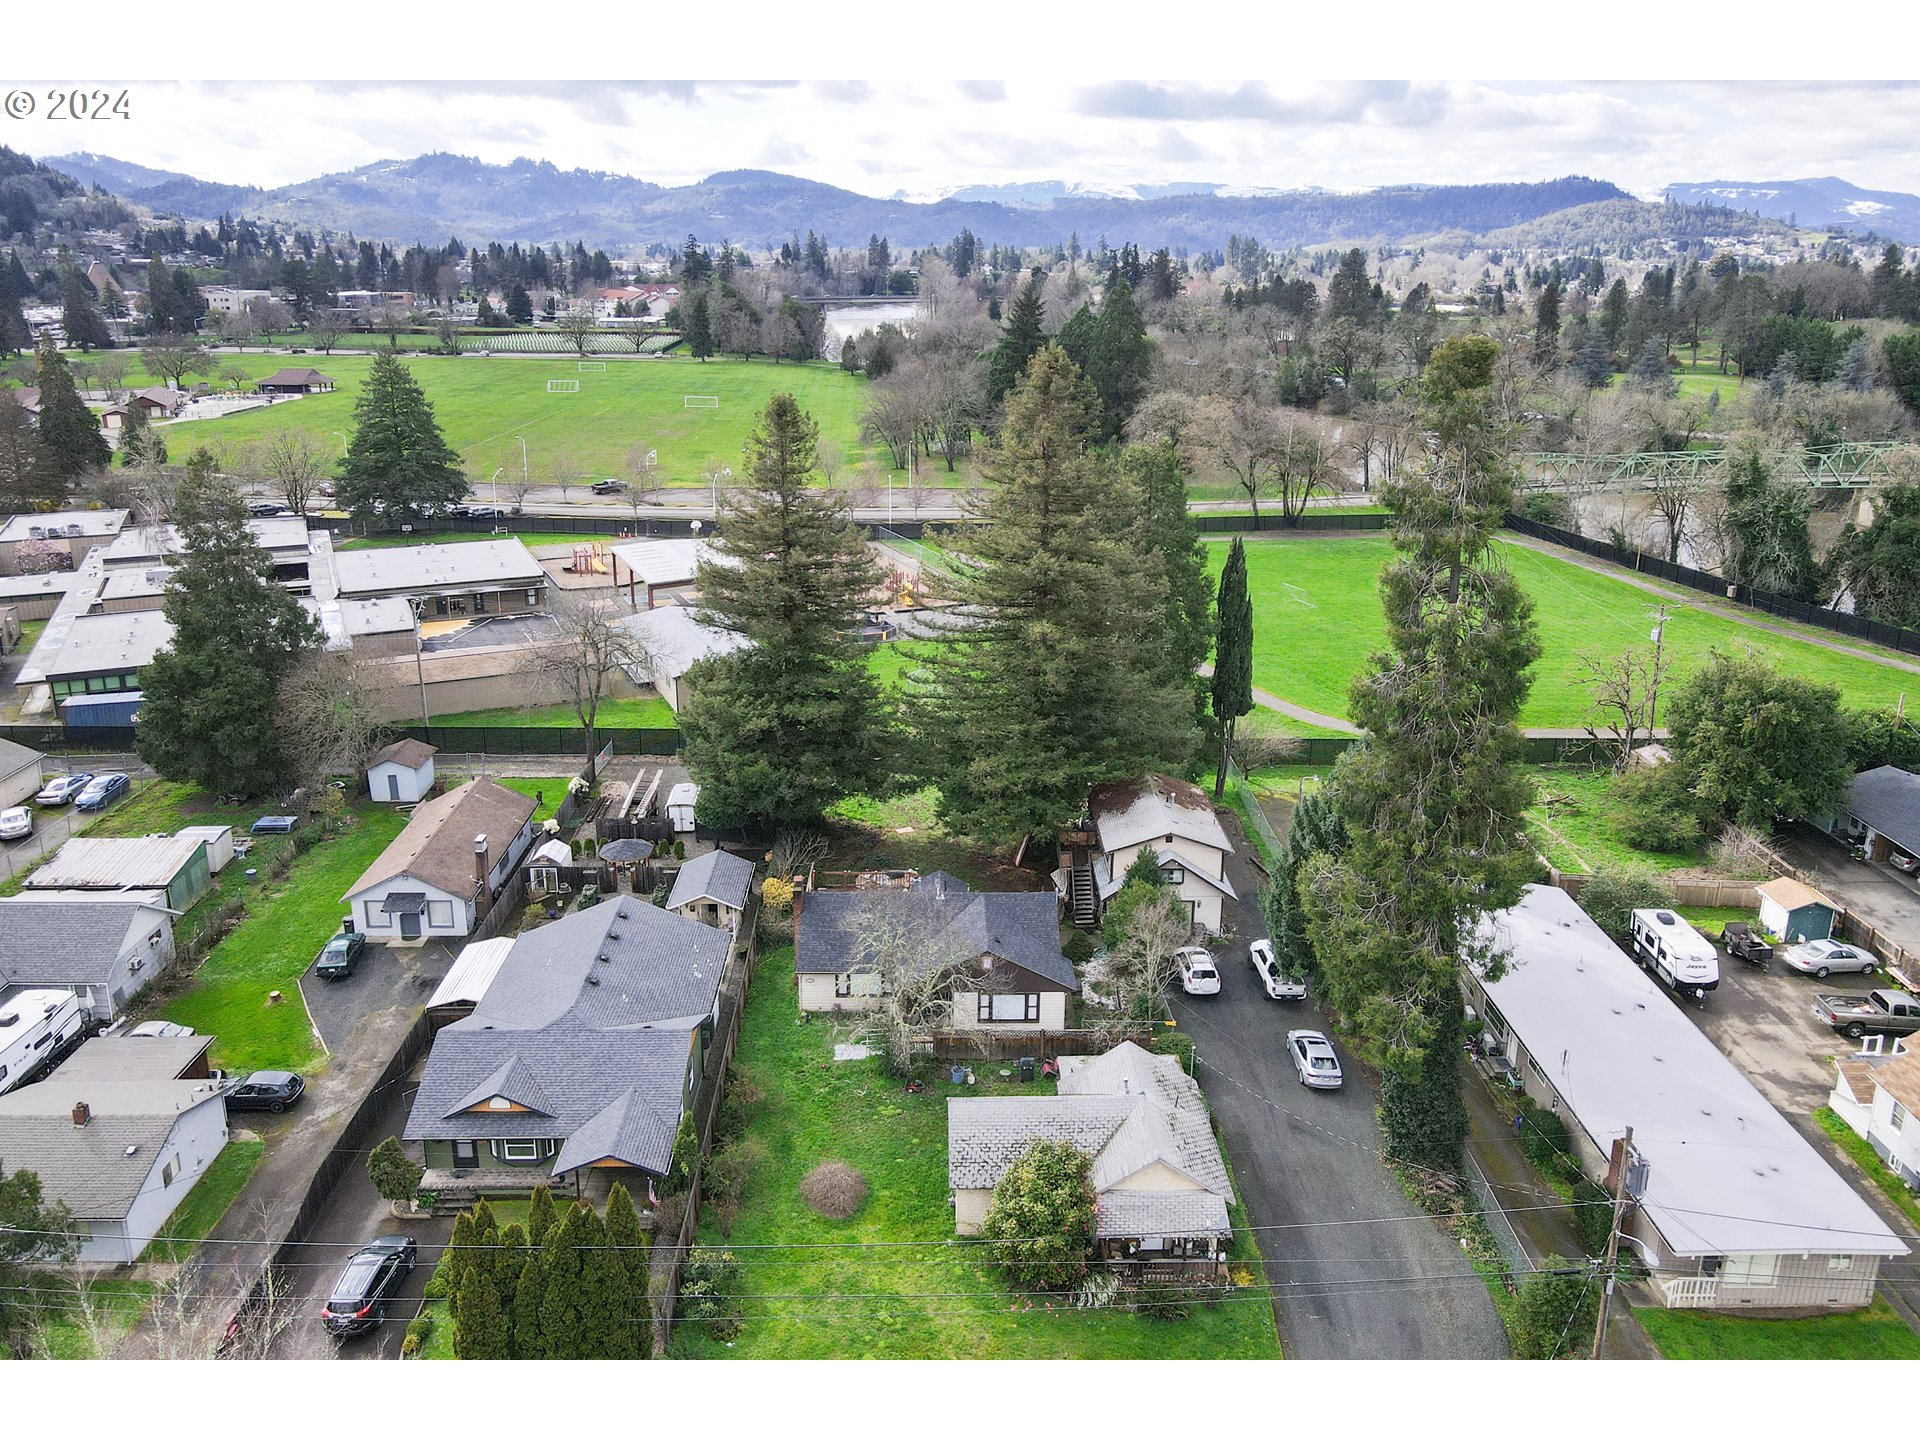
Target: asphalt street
{"type": "Point", "coordinates": [1386, 1282]}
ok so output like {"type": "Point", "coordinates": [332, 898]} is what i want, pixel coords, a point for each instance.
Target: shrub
{"type": "Point", "coordinates": [1174, 1042]}
{"type": "Point", "coordinates": [1543, 1136]}
{"type": "Point", "coordinates": [835, 1190]}
{"type": "Point", "coordinates": [707, 1284]}
{"type": "Point", "coordinates": [1165, 1299]}
{"type": "Point", "coordinates": [419, 1331]}
{"type": "Point", "coordinates": [1610, 897]}
{"type": "Point", "coordinates": [1593, 1217]}
{"type": "Point", "coordinates": [1740, 853]}
{"type": "Point", "coordinates": [437, 1286]}
{"type": "Point", "coordinates": [394, 1176]}
{"type": "Point", "coordinates": [1554, 1312]}
{"type": "Point", "coordinates": [725, 1177]}
{"type": "Point", "coordinates": [1045, 1203]}
{"type": "Point", "coordinates": [1655, 811]}
{"type": "Point", "coordinates": [735, 1107]}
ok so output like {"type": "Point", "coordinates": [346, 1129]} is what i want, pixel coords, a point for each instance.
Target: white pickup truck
{"type": "Point", "coordinates": [1278, 986]}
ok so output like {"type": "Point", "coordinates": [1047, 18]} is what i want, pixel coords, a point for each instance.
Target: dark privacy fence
{"type": "Point", "coordinates": [1894, 637]}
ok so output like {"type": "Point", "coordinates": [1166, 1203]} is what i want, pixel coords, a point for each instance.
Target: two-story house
{"type": "Point", "coordinates": [1172, 818]}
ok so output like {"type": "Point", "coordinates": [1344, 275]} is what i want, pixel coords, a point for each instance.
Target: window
{"type": "Point", "coordinates": [376, 918]}
{"type": "Point", "coordinates": [518, 1152]}
{"type": "Point", "coordinates": [1757, 1272]}
{"type": "Point", "coordinates": [544, 879]}
{"type": "Point", "coordinates": [533, 597]}
{"type": "Point", "coordinates": [169, 1171]}
{"type": "Point", "coordinates": [440, 912]}
{"type": "Point", "coordinates": [1838, 1263]}
{"type": "Point", "coordinates": [479, 604]}
{"type": "Point", "coordinates": [1899, 1117]}
{"type": "Point", "coordinates": [499, 1102]}
{"type": "Point", "coordinates": [856, 982]}
{"type": "Point", "coordinates": [1004, 1008]}
{"type": "Point", "coordinates": [1174, 874]}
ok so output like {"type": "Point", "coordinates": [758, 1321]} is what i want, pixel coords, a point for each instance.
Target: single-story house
{"type": "Point", "coordinates": [285, 538]}
{"type": "Point", "coordinates": [1002, 947]}
{"type": "Point", "coordinates": [1732, 1208]}
{"type": "Point", "coordinates": [584, 1050]}
{"type": "Point", "coordinates": [119, 1153]}
{"type": "Point", "coordinates": [402, 772]}
{"type": "Point", "coordinates": [675, 641]}
{"type": "Point", "coordinates": [1161, 1182]}
{"type": "Point", "coordinates": [440, 875]}
{"type": "Point", "coordinates": [158, 401]}
{"type": "Point", "coordinates": [1172, 818]}
{"type": "Point", "coordinates": [71, 534]}
{"type": "Point", "coordinates": [104, 949]}
{"type": "Point", "coordinates": [646, 568]}
{"type": "Point", "coordinates": [1795, 911]}
{"type": "Point", "coordinates": [175, 865]}
{"type": "Point", "coordinates": [1878, 1099]}
{"type": "Point", "coordinates": [1883, 812]}
{"type": "Point", "coordinates": [294, 380]}
{"type": "Point", "coordinates": [712, 888]}
{"type": "Point", "coordinates": [466, 578]}
{"type": "Point", "coordinates": [104, 654]}
{"type": "Point", "coordinates": [21, 770]}
{"type": "Point", "coordinates": [35, 597]}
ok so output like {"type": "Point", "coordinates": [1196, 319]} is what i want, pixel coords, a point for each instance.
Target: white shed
{"type": "Point", "coordinates": [402, 773]}
{"type": "Point", "coordinates": [681, 801]}
{"type": "Point", "coordinates": [219, 840]}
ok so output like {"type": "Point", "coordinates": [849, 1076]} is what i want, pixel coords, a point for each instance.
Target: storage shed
{"type": "Point", "coordinates": [682, 801]}
{"type": "Point", "coordinates": [1796, 912]}
{"type": "Point", "coordinates": [173, 864]}
{"type": "Point", "coordinates": [219, 842]}
{"type": "Point", "coordinates": [402, 773]}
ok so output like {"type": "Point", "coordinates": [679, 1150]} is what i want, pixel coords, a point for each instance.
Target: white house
{"type": "Point", "coordinates": [103, 947]}
{"type": "Point", "coordinates": [119, 1153]}
{"type": "Point", "coordinates": [20, 773]}
{"type": "Point", "coordinates": [402, 773]}
{"type": "Point", "coordinates": [1878, 1099]}
{"type": "Point", "coordinates": [440, 875]}
{"type": "Point", "coordinates": [1733, 1209]}
{"type": "Point", "coordinates": [1172, 818]}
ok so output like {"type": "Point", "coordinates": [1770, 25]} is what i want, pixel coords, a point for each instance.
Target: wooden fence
{"type": "Point", "coordinates": [1717, 893]}
{"type": "Point", "coordinates": [952, 1046]}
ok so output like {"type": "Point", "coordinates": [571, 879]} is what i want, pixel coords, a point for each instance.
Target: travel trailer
{"type": "Point", "coordinates": [1680, 955]}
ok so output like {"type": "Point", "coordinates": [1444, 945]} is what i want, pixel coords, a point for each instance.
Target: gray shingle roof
{"type": "Point", "coordinates": [1149, 807]}
{"type": "Point", "coordinates": [134, 1057]}
{"type": "Point", "coordinates": [408, 752]}
{"type": "Point", "coordinates": [1888, 799]}
{"type": "Point", "coordinates": [68, 942]}
{"type": "Point", "coordinates": [1125, 1214]}
{"type": "Point", "coordinates": [1022, 927]}
{"type": "Point", "coordinates": [86, 1167]}
{"type": "Point", "coordinates": [17, 757]}
{"type": "Point", "coordinates": [715, 875]}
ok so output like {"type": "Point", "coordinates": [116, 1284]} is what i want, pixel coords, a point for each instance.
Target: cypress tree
{"type": "Point", "coordinates": [481, 1331]}
{"type": "Point", "coordinates": [540, 1215]}
{"type": "Point", "coordinates": [529, 1290]}
{"type": "Point", "coordinates": [460, 1251]}
{"type": "Point", "coordinates": [397, 454]}
{"type": "Point", "coordinates": [67, 439]}
{"type": "Point", "coordinates": [628, 1258]}
{"type": "Point", "coordinates": [562, 1272]}
{"type": "Point", "coordinates": [602, 1301]}
{"type": "Point", "coordinates": [700, 327]}
{"type": "Point", "coordinates": [1232, 656]}
{"type": "Point", "coordinates": [1024, 336]}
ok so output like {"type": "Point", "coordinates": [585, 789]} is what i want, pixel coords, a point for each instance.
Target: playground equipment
{"type": "Point", "coordinates": [588, 560]}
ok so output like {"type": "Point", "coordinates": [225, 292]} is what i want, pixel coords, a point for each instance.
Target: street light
{"type": "Point", "coordinates": [418, 607]}
{"type": "Point", "coordinates": [494, 483]}
{"type": "Point", "coordinates": [343, 441]}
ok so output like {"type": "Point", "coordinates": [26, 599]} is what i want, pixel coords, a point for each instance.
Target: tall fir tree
{"type": "Point", "coordinates": [140, 444]}
{"type": "Point", "coordinates": [781, 729]}
{"type": "Point", "coordinates": [23, 484]}
{"type": "Point", "coordinates": [481, 1329]}
{"type": "Point", "coordinates": [16, 338]}
{"type": "Point", "coordinates": [1057, 681]}
{"type": "Point", "coordinates": [1546, 327]}
{"type": "Point", "coordinates": [627, 1253]}
{"type": "Point", "coordinates": [1434, 801]}
{"type": "Point", "coordinates": [700, 327]}
{"type": "Point", "coordinates": [397, 454]}
{"type": "Point", "coordinates": [211, 695]}
{"type": "Point", "coordinates": [1119, 360]}
{"type": "Point", "coordinates": [540, 1215]}
{"type": "Point", "coordinates": [563, 1267]}
{"type": "Point", "coordinates": [80, 317]}
{"type": "Point", "coordinates": [67, 440]}
{"type": "Point", "coordinates": [529, 1290]}
{"type": "Point", "coordinates": [1232, 686]}
{"type": "Point", "coordinates": [1170, 540]}
{"type": "Point", "coordinates": [1024, 335]}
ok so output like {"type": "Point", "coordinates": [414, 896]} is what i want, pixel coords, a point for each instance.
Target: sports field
{"type": "Point", "coordinates": [485, 405]}
{"type": "Point", "coordinates": [1317, 618]}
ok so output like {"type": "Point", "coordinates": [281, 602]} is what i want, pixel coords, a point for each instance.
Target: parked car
{"type": "Point", "coordinates": [341, 954]}
{"type": "Point", "coordinates": [103, 791]}
{"type": "Point", "coordinates": [372, 1275]}
{"type": "Point", "coordinates": [1198, 974]}
{"type": "Point", "coordinates": [607, 487]}
{"type": "Point", "coordinates": [158, 1030]}
{"type": "Point", "coordinates": [1278, 987]}
{"type": "Point", "coordinates": [266, 507]}
{"type": "Point", "coordinates": [1821, 958]}
{"type": "Point", "coordinates": [62, 788]}
{"type": "Point", "coordinates": [1314, 1060]}
{"type": "Point", "coordinates": [484, 512]}
{"type": "Point", "coordinates": [1906, 864]}
{"type": "Point", "coordinates": [16, 823]}
{"type": "Point", "coordinates": [1878, 1012]}
{"type": "Point", "coordinates": [1743, 943]}
{"type": "Point", "coordinates": [270, 1090]}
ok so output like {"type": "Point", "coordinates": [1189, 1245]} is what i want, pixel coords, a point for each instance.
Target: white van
{"type": "Point", "coordinates": [1680, 955]}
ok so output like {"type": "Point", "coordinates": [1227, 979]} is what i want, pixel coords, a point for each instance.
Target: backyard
{"type": "Point", "coordinates": [893, 1280]}
{"type": "Point", "coordinates": [1875, 1333]}
{"type": "Point", "coordinates": [1575, 824]}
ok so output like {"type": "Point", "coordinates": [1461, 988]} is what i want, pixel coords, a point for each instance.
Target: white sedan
{"type": "Point", "coordinates": [1198, 974]}
{"type": "Point", "coordinates": [16, 823]}
{"type": "Point", "coordinates": [1277, 985]}
{"type": "Point", "coordinates": [1313, 1058]}
{"type": "Point", "coordinates": [1820, 958]}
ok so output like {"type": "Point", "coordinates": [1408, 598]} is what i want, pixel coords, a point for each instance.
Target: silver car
{"type": "Point", "coordinates": [1821, 958]}
{"type": "Point", "coordinates": [1313, 1058]}
{"type": "Point", "coordinates": [16, 823]}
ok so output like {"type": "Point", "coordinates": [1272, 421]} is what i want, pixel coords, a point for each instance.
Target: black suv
{"type": "Point", "coordinates": [374, 1273]}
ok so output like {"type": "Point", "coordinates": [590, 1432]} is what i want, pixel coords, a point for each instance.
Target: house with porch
{"type": "Point", "coordinates": [583, 1050]}
{"type": "Point", "coordinates": [1731, 1208]}
{"type": "Point", "coordinates": [1001, 948]}
{"type": "Point", "coordinates": [441, 874]}
{"type": "Point", "coordinates": [1878, 1098]}
{"type": "Point", "coordinates": [1883, 814]}
{"type": "Point", "coordinates": [1173, 819]}
{"type": "Point", "coordinates": [1161, 1183]}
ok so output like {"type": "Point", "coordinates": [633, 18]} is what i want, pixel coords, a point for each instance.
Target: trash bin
{"type": "Point", "coordinates": [957, 1074]}
{"type": "Point", "coordinates": [1026, 1068]}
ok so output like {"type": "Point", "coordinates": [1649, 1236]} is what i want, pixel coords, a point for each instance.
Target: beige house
{"type": "Point", "coordinates": [1161, 1182]}
{"type": "Point", "coordinates": [1000, 949]}
{"type": "Point", "coordinates": [712, 888]}
{"type": "Point", "coordinates": [1170, 817]}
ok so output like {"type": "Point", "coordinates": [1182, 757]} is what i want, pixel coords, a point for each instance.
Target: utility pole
{"type": "Point", "coordinates": [1623, 1158]}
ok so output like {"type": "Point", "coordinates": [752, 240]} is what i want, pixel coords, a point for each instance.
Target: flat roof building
{"type": "Point", "coordinates": [466, 578]}
{"type": "Point", "coordinates": [104, 653]}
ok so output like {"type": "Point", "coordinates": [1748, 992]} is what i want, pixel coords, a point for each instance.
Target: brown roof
{"type": "Point", "coordinates": [409, 752]}
{"type": "Point", "coordinates": [1791, 894]}
{"type": "Point", "coordinates": [295, 375]}
{"type": "Point", "coordinates": [1900, 1078]}
{"type": "Point", "coordinates": [1857, 1075]}
{"type": "Point", "coordinates": [437, 845]}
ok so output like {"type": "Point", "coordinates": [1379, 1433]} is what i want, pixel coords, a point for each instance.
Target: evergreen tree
{"type": "Point", "coordinates": [79, 316]}
{"type": "Point", "coordinates": [781, 729]}
{"type": "Point", "coordinates": [16, 337]}
{"type": "Point", "coordinates": [23, 485]}
{"type": "Point", "coordinates": [140, 443]}
{"type": "Point", "coordinates": [1059, 682]}
{"type": "Point", "coordinates": [67, 439]}
{"type": "Point", "coordinates": [519, 304]}
{"type": "Point", "coordinates": [1593, 362]}
{"type": "Point", "coordinates": [1316, 829]}
{"type": "Point", "coordinates": [481, 1330]}
{"type": "Point", "coordinates": [1170, 539]}
{"type": "Point", "coordinates": [1434, 801]}
{"type": "Point", "coordinates": [1650, 371]}
{"type": "Point", "coordinates": [1023, 336]}
{"type": "Point", "coordinates": [397, 454]}
{"type": "Point", "coordinates": [1856, 367]}
{"type": "Point", "coordinates": [1232, 656]}
{"type": "Point", "coordinates": [602, 1299]}
{"type": "Point", "coordinates": [1613, 312]}
{"type": "Point", "coordinates": [1903, 367]}
{"type": "Point", "coordinates": [563, 1268]}
{"type": "Point", "coordinates": [540, 1215]}
{"type": "Point", "coordinates": [529, 1290]}
{"type": "Point", "coordinates": [209, 714]}
{"type": "Point", "coordinates": [627, 1254]}
{"type": "Point", "coordinates": [1119, 360]}
{"type": "Point", "coordinates": [700, 327]}
{"type": "Point", "coordinates": [460, 1251]}
{"type": "Point", "coordinates": [1546, 327]}
{"type": "Point", "coordinates": [1769, 544]}
{"type": "Point", "coordinates": [1350, 292]}
{"type": "Point", "coordinates": [1076, 337]}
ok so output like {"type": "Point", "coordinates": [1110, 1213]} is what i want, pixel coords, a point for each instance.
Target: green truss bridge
{"type": "Point", "coordinates": [1853, 465]}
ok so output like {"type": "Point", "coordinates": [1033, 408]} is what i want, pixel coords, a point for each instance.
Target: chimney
{"type": "Point", "coordinates": [799, 897]}
{"type": "Point", "coordinates": [483, 892]}
{"type": "Point", "coordinates": [82, 1113]}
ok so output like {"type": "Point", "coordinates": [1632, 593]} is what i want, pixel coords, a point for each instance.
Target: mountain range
{"type": "Point", "coordinates": [433, 196]}
{"type": "Point", "coordinates": [1826, 203]}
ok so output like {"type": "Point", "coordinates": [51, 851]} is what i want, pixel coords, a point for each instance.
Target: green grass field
{"type": "Point", "coordinates": [1309, 643]}
{"type": "Point", "coordinates": [1875, 1333]}
{"type": "Point", "coordinates": [1868, 1159]}
{"type": "Point", "coordinates": [486, 405]}
{"type": "Point", "coordinates": [633, 712]}
{"type": "Point", "coordinates": [935, 1299]}
{"type": "Point", "coordinates": [1574, 824]}
{"type": "Point", "coordinates": [208, 1201]}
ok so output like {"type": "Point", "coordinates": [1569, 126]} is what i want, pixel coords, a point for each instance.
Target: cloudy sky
{"type": "Point", "coordinates": [920, 135]}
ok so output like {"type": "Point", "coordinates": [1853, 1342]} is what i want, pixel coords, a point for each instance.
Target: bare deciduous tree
{"type": "Point", "coordinates": [111, 370]}
{"type": "Point", "coordinates": [1625, 692]}
{"type": "Point", "coordinates": [578, 324]}
{"type": "Point", "coordinates": [904, 956]}
{"type": "Point", "coordinates": [566, 470]}
{"type": "Point", "coordinates": [296, 462]}
{"type": "Point", "coordinates": [329, 707]}
{"type": "Point", "coordinates": [324, 331]}
{"type": "Point", "coordinates": [174, 357]}
{"type": "Point", "coordinates": [1139, 969]}
{"type": "Point", "coordinates": [1269, 451]}
{"type": "Point", "coordinates": [586, 653]}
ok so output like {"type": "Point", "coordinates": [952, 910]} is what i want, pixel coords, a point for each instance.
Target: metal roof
{"type": "Point", "coordinates": [665, 562]}
{"type": "Point", "coordinates": [675, 640]}
{"type": "Point", "coordinates": [147, 861]}
{"type": "Point", "coordinates": [467, 981]}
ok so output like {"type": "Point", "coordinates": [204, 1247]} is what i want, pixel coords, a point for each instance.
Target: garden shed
{"type": "Point", "coordinates": [1795, 911]}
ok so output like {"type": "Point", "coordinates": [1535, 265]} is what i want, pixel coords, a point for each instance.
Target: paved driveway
{"type": "Point", "coordinates": [1395, 1287]}
{"type": "Point", "coordinates": [387, 977]}
{"type": "Point", "coordinates": [1877, 893]}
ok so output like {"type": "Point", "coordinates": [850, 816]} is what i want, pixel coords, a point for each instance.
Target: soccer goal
{"type": "Point", "coordinates": [563, 387]}
{"type": "Point", "coordinates": [700, 402]}
{"type": "Point", "coordinates": [586, 365]}
{"type": "Point", "coordinates": [1298, 596]}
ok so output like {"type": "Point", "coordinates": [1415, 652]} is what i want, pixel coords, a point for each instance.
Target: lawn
{"type": "Point", "coordinates": [207, 1202]}
{"type": "Point", "coordinates": [1875, 1333]}
{"type": "Point", "coordinates": [486, 406]}
{"type": "Point", "coordinates": [1868, 1159]}
{"type": "Point", "coordinates": [925, 1294]}
{"type": "Point", "coordinates": [549, 790]}
{"type": "Point", "coordinates": [1573, 824]}
{"type": "Point", "coordinates": [634, 712]}
{"type": "Point", "coordinates": [116, 1302]}
{"type": "Point", "coordinates": [1311, 640]}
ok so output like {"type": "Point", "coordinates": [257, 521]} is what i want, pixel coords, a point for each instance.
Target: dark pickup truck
{"type": "Point", "coordinates": [1743, 944]}
{"type": "Point", "coordinates": [1878, 1012]}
